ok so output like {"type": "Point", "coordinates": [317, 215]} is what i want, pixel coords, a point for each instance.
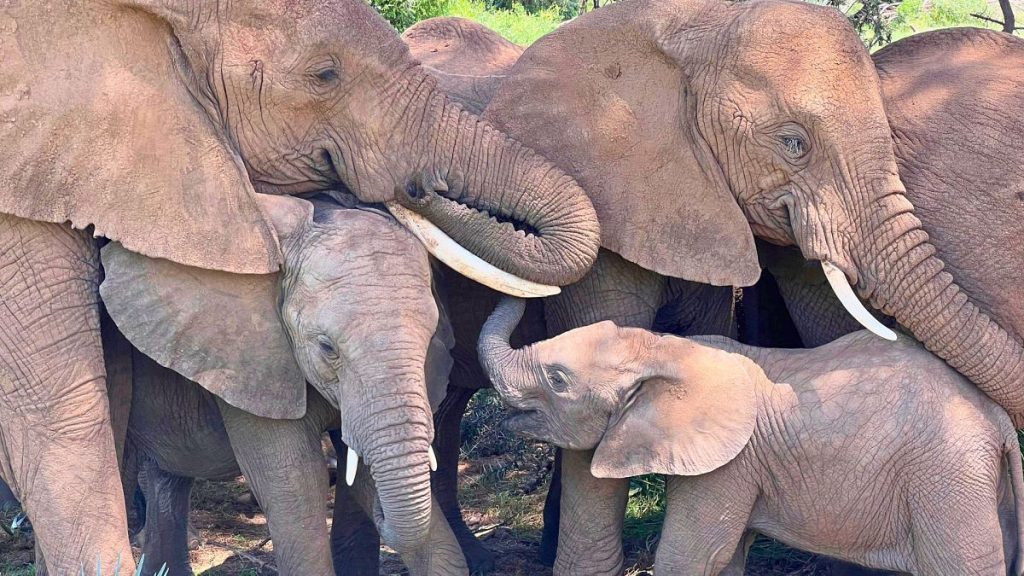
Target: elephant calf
{"type": "Point", "coordinates": [874, 452]}
{"type": "Point", "coordinates": [351, 313]}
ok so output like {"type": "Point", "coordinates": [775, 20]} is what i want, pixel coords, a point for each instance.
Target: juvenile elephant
{"type": "Point", "coordinates": [178, 431]}
{"type": "Point", "coordinates": [695, 125]}
{"type": "Point", "coordinates": [153, 123]}
{"type": "Point", "coordinates": [873, 452]}
{"type": "Point", "coordinates": [351, 312]}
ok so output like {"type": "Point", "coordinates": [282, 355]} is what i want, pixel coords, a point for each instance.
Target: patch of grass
{"type": "Point", "coordinates": [12, 570]}
{"type": "Point", "coordinates": [516, 24]}
{"type": "Point", "coordinates": [915, 16]}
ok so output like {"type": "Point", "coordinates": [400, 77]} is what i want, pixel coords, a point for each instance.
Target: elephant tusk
{"type": "Point", "coordinates": [432, 458]}
{"type": "Point", "coordinates": [465, 262]}
{"type": "Point", "coordinates": [837, 280]}
{"type": "Point", "coordinates": [351, 464]}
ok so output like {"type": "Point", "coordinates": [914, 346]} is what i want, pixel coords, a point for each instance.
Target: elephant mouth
{"type": "Point", "coordinates": [527, 423]}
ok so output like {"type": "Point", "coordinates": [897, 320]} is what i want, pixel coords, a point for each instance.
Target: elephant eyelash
{"type": "Point", "coordinates": [326, 346]}
{"type": "Point", "coordinates": [557, 380]}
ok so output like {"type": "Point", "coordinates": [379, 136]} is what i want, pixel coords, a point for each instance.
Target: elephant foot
{"type": "Point", "coordinates": [479, 558]}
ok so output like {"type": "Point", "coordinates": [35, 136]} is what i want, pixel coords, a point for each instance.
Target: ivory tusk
{"type": "Point", "coordinates": [432, 458]}
{"type": "Point", "coordinates": [351, 464]}
{"type": "Point", "coordinates": [465, 262]}
{"type": "Point", "coordinates": [841, 286]}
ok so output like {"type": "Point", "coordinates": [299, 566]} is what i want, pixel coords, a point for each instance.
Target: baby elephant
{"type": "Point", "coordinates": [870, 451]}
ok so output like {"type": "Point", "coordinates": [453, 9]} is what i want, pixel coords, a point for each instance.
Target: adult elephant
{"type": "Point", "coordinates": [696, 124]}
{"type": "Point", "coordinates": [945, 93]}
{"type": "Point", "coordinates": [152, 123]}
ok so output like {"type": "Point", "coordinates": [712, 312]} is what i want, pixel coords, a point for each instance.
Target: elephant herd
{"type": "Point", "coordinates": [227, 228]}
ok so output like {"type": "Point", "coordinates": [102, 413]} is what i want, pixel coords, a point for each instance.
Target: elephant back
{"type": "Point", "coordinates": [953, 98]}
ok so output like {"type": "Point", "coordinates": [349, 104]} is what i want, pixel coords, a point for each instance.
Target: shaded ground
{"type": "Point", "coordinates": [504, 483]}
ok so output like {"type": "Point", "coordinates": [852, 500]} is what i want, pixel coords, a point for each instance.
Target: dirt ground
{"type": "Point", "coordinates": [503, 483]}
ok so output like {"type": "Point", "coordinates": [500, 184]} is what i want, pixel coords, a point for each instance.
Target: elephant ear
{"type": "Point", "coordinates": [694, 415]}
{"type": "Point", "coordinates": [219, 329]}
{"type": "Point", "coordinates": [601, 99]}
{"type": "Point", "coordinates": [98, 127]}
{"type": "Point", "coordinates": [439, 363]}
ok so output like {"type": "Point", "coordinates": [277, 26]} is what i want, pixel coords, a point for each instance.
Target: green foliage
{"type": "Point", "coordinates": [921, 15]}
{"type": "Point", "coordinates": [404, 13]}
{"type": "Point", "coordinates": [516, 23]}
{"type": "Point", "coordinates": [646, 508]}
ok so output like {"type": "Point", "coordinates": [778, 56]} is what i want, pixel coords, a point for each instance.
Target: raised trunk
{"type": "Point", "coordinates": [503, 365]}
{"type": "Point", "coordinates": [500, 200]}
{"type": "Point", "coordinates": [913, 288]}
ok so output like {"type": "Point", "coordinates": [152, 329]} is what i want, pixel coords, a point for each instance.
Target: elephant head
{"type": "Point", "coordinates": [648, 403]}
{"type": "Point", "coordinates": [351, 311]}
{"type": "Point", "coordinates": [468, 59]}
{"type": "Point", "coordinates": [694, 123]}
{"type": "Point", "coordinates": [155, 121]}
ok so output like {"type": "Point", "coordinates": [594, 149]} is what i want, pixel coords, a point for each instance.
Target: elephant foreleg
{"type": "Point", "coordinates": [355, 543]}
{"type": "Point", "coordinates": [58, 451]}
{"type": "Point", "coordinates": [592, 509]}
{"type": "Point", "coordinates": [284, 464]}
{"type": "Point", "coordinates": [445, 482]}
{"type": "Point", "coordinates": [166, 528]}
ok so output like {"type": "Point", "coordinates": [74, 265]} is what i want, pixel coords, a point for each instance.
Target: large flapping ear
{"type": "Point", "coordinates": [219, 329]}
{"type": "Point", "coordinates": [599, 98]}
{"type": "Point", "coordinates": [97, 126]}
{"type": "Point", "coordinates": [694, 414]}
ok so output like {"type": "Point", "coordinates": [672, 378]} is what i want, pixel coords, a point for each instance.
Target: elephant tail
{"type": "Point", "coordinates": [1011, 450]}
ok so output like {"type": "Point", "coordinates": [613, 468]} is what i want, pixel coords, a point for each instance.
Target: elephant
{"type": "Point", "coordinates": [179, 431]}
{"type": "Point", "coordinates": [470, 62]}
{"type": "Point", "coordinates": [352, 312]}
{"type": "Point", "coordinates": [943, 92]}
{"type": "Point", "coordinates": [878, 453]}
{"type": "Point", "coordinates": [154, 123]}
{"type": "Point", "coordinates": [696, 125]}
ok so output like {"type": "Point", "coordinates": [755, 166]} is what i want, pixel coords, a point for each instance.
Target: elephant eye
{"type": "Point", "coordinates": [558, 381]}
{"type": "Point", "coordinates": [794, 146]}
{"type": "Point", "coordinates": [325, 73]}
{"type": "Point", "coordinates": [326, 346]}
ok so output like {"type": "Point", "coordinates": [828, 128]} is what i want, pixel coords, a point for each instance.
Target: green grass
{"type": "Point", "coordinates": [918, 16]}
{"type": "Point", "coordinates": [516, 24]}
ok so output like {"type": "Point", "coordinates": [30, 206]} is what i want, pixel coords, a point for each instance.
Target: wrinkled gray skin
{"type": "Point", "coordinates": [874, 452]}
{"type": "Point", "coordinates": [945, 91]}
{"type": "Point", "coordinates": [470, 61]}
{"type": "Point", "coordinates": [362, 328]}
{"type": "Point", "coordinates": [178, 432]}
{"type": "Point", "coordinates": [156, 122]}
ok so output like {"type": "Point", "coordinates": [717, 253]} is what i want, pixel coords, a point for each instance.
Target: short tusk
{"type": "Point", "coordinates": [351, 464]}
{"type": "Point", "coordinates": [432, 458]}
{"type": "Point", "coordinates": [840, 285]}
{"type": "Point", "coordinates": [465, 262]}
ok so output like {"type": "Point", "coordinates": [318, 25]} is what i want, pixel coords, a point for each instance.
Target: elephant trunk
{"type": "Point", "coordinates": [500, 200]}
{"type": "Point", "coordinates": [901, 275]}
{"type": "Point", "coordinates": [505, 366]}
{"type": "Point", "coordinates": [392, 433]}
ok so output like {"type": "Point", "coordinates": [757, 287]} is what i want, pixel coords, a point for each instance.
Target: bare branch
{"type": "Point", "coordinates": [1008, 22]}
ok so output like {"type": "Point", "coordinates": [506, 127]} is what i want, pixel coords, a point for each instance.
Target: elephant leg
{"type": "Point", "coordinates": [284, 464]}
{"type": "Point", "coordinates": [592, 509]}
{"type": "Point", "coordinates": [167, 509]}
{"type": "Point", "coordinates": [355, 543]}
{"type": "Point", "coordinates": [549, 536]}
{"type": "Point", "coordinates": [440, 556]}
{"type": "Point", "coordinates": [705, 530]}
{"type": "Point", "coordinates": [55, 429]}
{"type": "Point", "coordinates": [445, 482]}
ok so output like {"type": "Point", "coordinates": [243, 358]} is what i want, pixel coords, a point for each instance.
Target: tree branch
{"type": "Point", "coordinates": [1008, 22]}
